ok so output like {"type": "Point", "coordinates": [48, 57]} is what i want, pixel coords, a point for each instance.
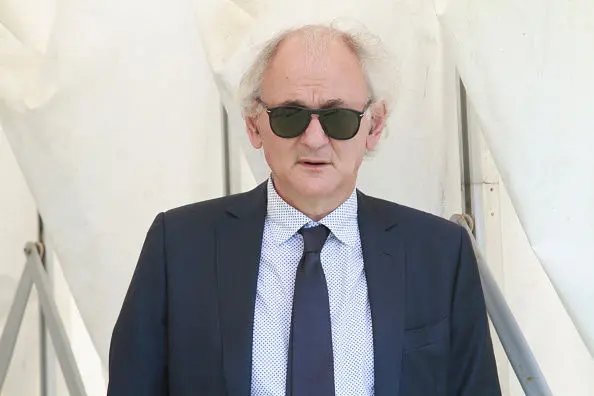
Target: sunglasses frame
{"type": "Point", "coordinates": [320, 112]}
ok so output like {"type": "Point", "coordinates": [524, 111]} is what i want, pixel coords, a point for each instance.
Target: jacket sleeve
{"type": "Point", "coordinates": [472, 369]}
{"type": "Point", "coordinates": [138, 351]}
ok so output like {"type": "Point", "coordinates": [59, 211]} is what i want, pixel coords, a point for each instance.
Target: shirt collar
{"type": "Point", "coordinates": [286, 220]}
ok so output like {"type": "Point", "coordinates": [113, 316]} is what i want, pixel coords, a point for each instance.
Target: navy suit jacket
{"type": "Point", "coordinates": [185, 327]}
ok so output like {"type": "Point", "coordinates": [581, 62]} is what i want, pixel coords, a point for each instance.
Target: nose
{"type": "Point", "coordinates": [314, 135]}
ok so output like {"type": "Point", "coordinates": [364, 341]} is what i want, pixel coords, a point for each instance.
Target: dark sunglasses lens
{"type": "Point", "coordinates": [340, 124]}
{"type": "Point", "coordinates": [289, 122]}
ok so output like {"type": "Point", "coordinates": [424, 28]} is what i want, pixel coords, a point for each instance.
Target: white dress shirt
{"type": "Point", "coordinates": [350, 315]}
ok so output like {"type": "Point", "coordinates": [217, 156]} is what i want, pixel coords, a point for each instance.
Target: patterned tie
{"type": "Point", "coordinates": [310, 366]}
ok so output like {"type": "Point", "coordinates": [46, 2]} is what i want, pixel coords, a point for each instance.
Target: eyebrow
{"type": "Point", "coordinates": [326, 105]}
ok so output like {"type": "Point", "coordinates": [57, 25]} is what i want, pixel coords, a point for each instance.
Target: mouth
{"type": "Point", "coordinates": [312, 163]}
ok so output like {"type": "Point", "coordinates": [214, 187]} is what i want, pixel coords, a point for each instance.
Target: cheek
{"type": "Point", "coordinates": [277, 151]}
{"type": "Point", "coordinates": [350, 153]}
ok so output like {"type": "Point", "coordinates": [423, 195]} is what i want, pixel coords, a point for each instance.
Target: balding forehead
{"type": "Point", "coordinates": [314, 41]}
{"type": "Point", "coordinates": [315, 49]}
{"type": "Point", "coordinates": [314, 68]}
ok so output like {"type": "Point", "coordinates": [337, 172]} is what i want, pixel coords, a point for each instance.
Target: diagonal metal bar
{"type": "Point", "coordinates": [54, 325]}
{"type": "Point", "coordinates": [14, 320]}
{"type": "Point", "coordinates": [34, 274]}
{"type": "Point", "coordinates": [514, 343]}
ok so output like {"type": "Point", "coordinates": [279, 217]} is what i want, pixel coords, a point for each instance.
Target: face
{"type": "Point", "coordinates": [313, 165]}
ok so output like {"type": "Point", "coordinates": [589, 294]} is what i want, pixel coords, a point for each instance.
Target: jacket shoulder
{"type": "Point", "coordinates": [211, 208]}
{"type": "Point", "coordinates": [416, 222]}
{"type": "Point", "coordinates": [207, 212]}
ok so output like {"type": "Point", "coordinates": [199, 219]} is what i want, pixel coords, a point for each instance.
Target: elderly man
{"type": "Point", "coordinates": [305, 286]}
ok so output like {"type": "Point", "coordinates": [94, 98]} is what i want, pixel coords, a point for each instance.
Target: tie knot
{"type": "Point", "coordinates": [314, 238]}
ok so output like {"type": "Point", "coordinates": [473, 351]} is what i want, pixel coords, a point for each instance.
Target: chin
{"type": "Point", "coordinates": [311, 184]}
{"type": "Point", "coordinates": [315, 188]}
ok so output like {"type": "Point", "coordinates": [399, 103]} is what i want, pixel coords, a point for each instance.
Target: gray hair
{"type": "Point", "coordinates": [379, 68]}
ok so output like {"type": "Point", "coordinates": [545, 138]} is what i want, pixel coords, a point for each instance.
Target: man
{"type": "Point", "coordinates": [305, 285]}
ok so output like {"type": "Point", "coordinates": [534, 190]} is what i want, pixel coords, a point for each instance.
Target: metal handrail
{"type": "Point", "coordinates": [514, 343]}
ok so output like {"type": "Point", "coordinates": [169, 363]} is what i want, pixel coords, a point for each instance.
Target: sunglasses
{"type": "Point", "coordinates": [291, 121]}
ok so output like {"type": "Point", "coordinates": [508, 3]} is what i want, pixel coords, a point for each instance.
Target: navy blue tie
{"type": "Point", "coordinates": [310, 366]}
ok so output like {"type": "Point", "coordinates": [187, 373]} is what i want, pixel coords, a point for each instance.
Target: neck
{"type": "Point", "coordinates": [316, 208]}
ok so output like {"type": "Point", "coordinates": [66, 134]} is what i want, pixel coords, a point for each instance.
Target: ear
{"type": "Point", "coordinates": [251, 126]}
{"type": "Point", "coordinates": [379, 114]}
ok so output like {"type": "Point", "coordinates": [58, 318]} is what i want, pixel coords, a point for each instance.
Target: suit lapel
{"type": "Point", "coordinates": [239, 242]}
{"type": "Point", "coordinates": [384, 258]}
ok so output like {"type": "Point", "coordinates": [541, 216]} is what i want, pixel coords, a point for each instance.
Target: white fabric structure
{"type": "Point", "coordinates": [132, 128]}
{"type": "Point", "coordinates": [116, 117]}
{"type": "Point", "coordinates": [528, 68]}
